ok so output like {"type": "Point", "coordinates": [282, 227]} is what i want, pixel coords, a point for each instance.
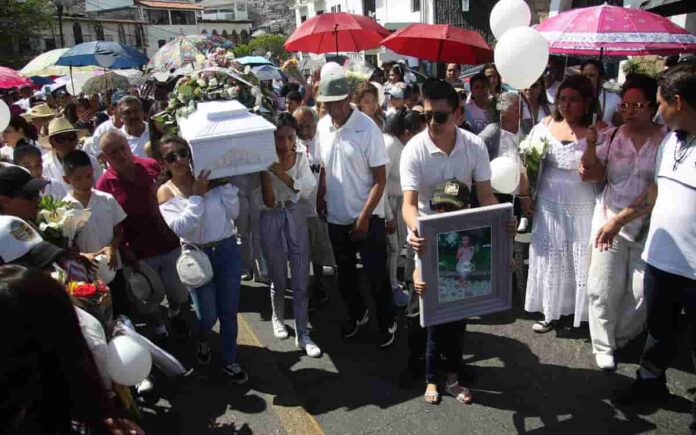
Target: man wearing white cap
{"type": "Point", "coordinates": [350, 197]}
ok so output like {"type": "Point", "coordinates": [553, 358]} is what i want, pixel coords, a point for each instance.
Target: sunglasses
{"type": "Point", "coordinates": [172, 157]}
{"type": "Point", "coordinates": [65, 137]}
{"type": "Point", "coordinates": [439, 117]}
{"type": "Point", "coordinates": [637, 106]}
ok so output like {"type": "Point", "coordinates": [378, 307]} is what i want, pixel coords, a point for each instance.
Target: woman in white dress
{"type": "Point", "coordinates": [559, 251]}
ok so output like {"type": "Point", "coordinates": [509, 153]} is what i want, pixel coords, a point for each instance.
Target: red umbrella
{"type": "Point", "coordinates": [440, 43]}
{"type": "Point", "coordinates": [615, 31]}
{"type": "Point", "coordinates": [10, 78]}
{"type": "Point", "coordinates": [328, 33]}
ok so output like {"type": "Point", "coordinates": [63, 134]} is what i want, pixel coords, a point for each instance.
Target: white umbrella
{"type": "Point", "coordinates": [44, 65]}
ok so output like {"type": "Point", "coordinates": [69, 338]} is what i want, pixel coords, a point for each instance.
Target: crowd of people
{"type": "Point", "coordinates": [612, 233]}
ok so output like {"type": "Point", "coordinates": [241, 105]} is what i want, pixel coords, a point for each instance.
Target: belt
{"type": "Point", "coordinates": [212, 245]}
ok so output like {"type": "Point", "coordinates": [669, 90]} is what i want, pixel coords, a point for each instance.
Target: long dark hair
{"type": "Point", "coordinates": [180, 142]}
{"type": "Point", "coordinates": [19, 123]}
{"type": "Point", "coordinates": [155, 135]}
{"type": "Point", "coordinates": [499, 86]}
{"type": "Point", "coordinates": [583, 85]}
{"type": "Point", "coordinates": [47, 373]}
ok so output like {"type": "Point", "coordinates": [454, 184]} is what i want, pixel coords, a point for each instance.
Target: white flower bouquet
{"type": "Point", "coordinates": [533, 152]}
{"type": "Point", "coordinates": [59, 222]}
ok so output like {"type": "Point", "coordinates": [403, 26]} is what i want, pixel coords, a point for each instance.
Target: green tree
{"type": "Point", "coordinates": [20, 24]}
{"type": "Point", "coordinates": [272, 43]}
{"type": "Point", "coordinates": [241, 50]}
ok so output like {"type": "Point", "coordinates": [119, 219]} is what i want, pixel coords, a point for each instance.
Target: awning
{"type": "Point", "coordinates": [667, 8]}
{"type": "Point", "coordinates": [170, 5]}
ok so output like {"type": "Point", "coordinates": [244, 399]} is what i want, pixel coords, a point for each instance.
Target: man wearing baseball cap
{"type": "Point", "coordinates": [352, 180]}
{"type": "Point", "coordinates": [20, 193]}
{"type": "Point", "coordinates": [21, 244]}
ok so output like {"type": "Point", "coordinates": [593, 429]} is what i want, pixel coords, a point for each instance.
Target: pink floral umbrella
{"type": "Point", "coordinates": [10, 78]}
{"type": "Point", "coordinates": [615, 31]}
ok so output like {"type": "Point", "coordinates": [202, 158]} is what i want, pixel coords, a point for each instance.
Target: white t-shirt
{"type": "Point", "coordinates": [304, 183]}
{"type": "Point", "coordinates": [92, 146]}
{"type": "Point", "coordinates": [137, 143]}
{"type": "Point", "coordinates": [394, 149]}
{"type": "Point", "coordinates": [98, 232]}
{"type": "Point", "coordinates": [476, 117]}
{"type": "Point", "coordinates": [347, 155]}
{"type": "Point", "coordinates": [311, 150]}
{"type": "Point", "coordinates": [53, 169]}
{"type": "Point", "coordinates": [671, 242]}
{"type": "Point", "coordinates": [610, 105]}
{"type": "Point", "coordinates": [552, 90]}
{"type": "Point", "coordinates": [424, 165]}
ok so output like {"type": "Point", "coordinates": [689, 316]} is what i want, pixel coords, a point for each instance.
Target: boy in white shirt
{"type": "Point", "coordinates": [102, 234]}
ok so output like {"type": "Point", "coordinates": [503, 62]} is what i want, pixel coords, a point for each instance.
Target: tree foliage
{"type": "Point", "coordinates": [20, 22]}
{"type": "Point", "coordinates": [262, 45]}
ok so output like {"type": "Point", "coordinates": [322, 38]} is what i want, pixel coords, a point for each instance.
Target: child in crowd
{"type": "Point", "coordinates": [442, 340]}
{"type": "Point", "coordinates": [29, 157]}
{"type": "Point", "coordinates": [102, 234]}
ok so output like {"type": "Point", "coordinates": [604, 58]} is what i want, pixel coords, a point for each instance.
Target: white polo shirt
{"type": "Point", "coordinates": [137, 143]}
{"type": "Point", "coordinates": [671, 242]}
{"type": "Point", "coordinates": [347, 155]}
{"type": "Point", "coordinates": [424, 165]}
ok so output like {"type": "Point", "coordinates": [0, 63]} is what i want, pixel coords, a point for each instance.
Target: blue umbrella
{"type": "Point", "coordinates": [97, 53]}
{"type": "Point", "coordinates": [254, 60]}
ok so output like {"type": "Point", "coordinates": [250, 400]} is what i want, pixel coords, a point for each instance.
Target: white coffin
{"type": "Point", "coordinates": [228, 140]}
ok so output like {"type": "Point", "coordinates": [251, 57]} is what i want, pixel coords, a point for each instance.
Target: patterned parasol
{"type": "Point", "coordinates": [185, 50]}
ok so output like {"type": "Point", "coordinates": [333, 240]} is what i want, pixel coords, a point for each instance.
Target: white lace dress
{"type": "Point", "coordinates": [559, 252]}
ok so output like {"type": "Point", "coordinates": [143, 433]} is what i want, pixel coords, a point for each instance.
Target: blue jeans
{"type": "Point", "coordinates": [220, 297]}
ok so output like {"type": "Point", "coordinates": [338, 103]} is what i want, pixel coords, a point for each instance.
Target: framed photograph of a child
{"type": "Point", "coordinates": [466, 264]}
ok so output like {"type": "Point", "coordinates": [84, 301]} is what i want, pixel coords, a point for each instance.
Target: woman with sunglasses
{"type": "Point", "coordinates": [626, 161]}
{"type": "Point", "coordinates": [536, 105]}
{"type": "Point", "coordinates": [559, 252]}
{"type": "Point", "coordinates": [202, 215]}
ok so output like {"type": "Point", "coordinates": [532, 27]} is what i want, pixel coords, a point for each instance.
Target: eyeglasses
{"type": "Point", "coordinates": [172, 157]}
{"type": "Point", "coordinates": [636, 107]}
{"type": "Point", "coordinates": [65, 137]}
{"type": "Point", "coordinates": [439, 117]}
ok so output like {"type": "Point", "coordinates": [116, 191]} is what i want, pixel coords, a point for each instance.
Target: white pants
{"type": "Point", "coordinates": [615, 293]}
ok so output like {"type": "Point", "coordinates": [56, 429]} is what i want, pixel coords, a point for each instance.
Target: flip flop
{"type": "Point", "coordinates": [432, 397]}
{"type": "Point", "coordinates": [463, 396]}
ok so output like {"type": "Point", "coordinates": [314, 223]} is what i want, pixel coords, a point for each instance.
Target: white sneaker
{"type": "Point", "coordinates": [327, 271]}
{"type": "Point", "coordinates": [605, 362]}
{"type": "Point", "coordinates": [279, 330]}
{"type": "Point", "coordinates": [305, 343]}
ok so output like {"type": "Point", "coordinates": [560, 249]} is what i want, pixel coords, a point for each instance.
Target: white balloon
{"type": "Point", "coordinates": [508, 14]}
{"type": "Point", "coordinates": [505, 175]}
{"type": "Point", "coordinates": [521, 56]}
{"type": "Point", "coordinates": [104, 272]}
{"type": "Point", "coordinates": [4, 115]}
{"type": "Point", "coordinates": [331, 68]}
{"type": "Point", "coordinates": [129, 362]}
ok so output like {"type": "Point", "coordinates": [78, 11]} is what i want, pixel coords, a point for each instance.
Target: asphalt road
{"type": "Point", "coordinates": [522, 382]}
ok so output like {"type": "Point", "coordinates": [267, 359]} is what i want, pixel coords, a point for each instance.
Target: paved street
{"type": "Point", "coordinates": [522, 383]}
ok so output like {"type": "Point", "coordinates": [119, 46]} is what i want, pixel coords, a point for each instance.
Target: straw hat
{"type": "Point", "coordinates": [58, 126]}
{"type": "Point", "coordinates": [39, 111]}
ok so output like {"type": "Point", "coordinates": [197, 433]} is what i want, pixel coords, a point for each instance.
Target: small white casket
{"type": "Point", "coordinates": [228, 140]}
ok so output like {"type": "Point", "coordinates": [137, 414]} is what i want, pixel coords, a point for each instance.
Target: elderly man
{"type": "Point", "coordinates": [135, 129]}
{"type": "Point", "coordinates": [452, 75]}
{"type": "Point", "coordinates": [63, 138]}
{"type": "Point", "coordinates": [351, 184]}
{"type": "Point", "coordinates": [320, 254]}
{"type": "Point", "coordinates": [132, 181]}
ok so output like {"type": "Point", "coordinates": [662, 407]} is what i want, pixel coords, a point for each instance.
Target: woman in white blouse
{"type": "Point", "coordinates": [202, 216]}
{"type": "Point", "coordinates": [284, 234]}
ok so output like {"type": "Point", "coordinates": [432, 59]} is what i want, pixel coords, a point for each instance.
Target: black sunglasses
{"type": "Point", "coordinates": [65, 137]}
{"type": "Point", "coordinates": [440, 117]}
{"type": "Point", "coordinates": [172, 157]}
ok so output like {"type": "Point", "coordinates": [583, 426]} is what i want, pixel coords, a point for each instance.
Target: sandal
{"type": "Point", "coordinates": [460, 393]}
{"type": "Point", "coordinates": [432, 397]}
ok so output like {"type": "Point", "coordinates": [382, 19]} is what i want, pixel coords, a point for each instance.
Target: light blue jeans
{"type": "Point", "coordinates": [220, 297]}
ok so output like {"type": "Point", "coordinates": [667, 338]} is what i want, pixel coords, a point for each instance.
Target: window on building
{"type": "Point", "coordinates": [186, 18]}
{"type": "Point", "coordinates": [122, 34]}
{"type": "Point", "coordinates": [158, 16]}
{"type": "Point", "coordinates": [415, 5]}
{"type": "Point", "coordinates": [215, 32]}
{"type": "Point", "coordinates": [161, 42]}
{"type": "Point", "coordinates": [50, 43]}
{"type": "Point", "coordinates": [139, 36]}
{"type": "Point", "coordinates": [465, 5]}
{"type": "Point", "coordinates": [234, 37]}
{"type": "Point", "coordinates": [99, 31]}
{"type": "Point", "coordinates": [368, 7]}
{"type": "Point", "coordinates": [303, 18]}
{"type": "Point", "coordinates": [204, 32]}
{"type": "Point", "coordinates": [243, 36]}
{"type": "Point", "coordinates": [320, 12]}
{"type": "Point", "coordinates": [77, 33]}
{"type": "Point", "coordinates": [241, 6]}
{"type": "Point", "coordinates": [225, 34]}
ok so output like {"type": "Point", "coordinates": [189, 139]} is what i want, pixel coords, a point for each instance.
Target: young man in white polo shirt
{"type": "Point", "coordinates": [351, 184]}
{"type": "Point", "coordinates": [670, 247]}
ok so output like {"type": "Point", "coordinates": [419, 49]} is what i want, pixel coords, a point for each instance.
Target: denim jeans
{"type": "Point", "coordinates": [373, 255]}
{"type": "Point", "coordinates": [665, 296]}
{"type": "Point", "coordinates": [220, 297]}
{"type": "Point", "coordinates": [443, 340]}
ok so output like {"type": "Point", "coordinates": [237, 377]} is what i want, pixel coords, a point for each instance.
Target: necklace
{"type": "Point", "coordinates": [682, 151]}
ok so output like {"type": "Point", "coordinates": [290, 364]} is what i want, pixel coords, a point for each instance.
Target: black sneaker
{"type": "Point", "coordinates": [236, 373]}
{"type": "Point", "coordinates": [388, 336]}
{"type": "Point", "coordinates": [352, 327]}
{"type": "Point", "coordinates": [180, 327]}
{"type": "Point", "coordinates": [203, 354]}
{"type": "Point", "coordinates": [644, 391]}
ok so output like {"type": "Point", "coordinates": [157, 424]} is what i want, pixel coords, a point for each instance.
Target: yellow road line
{"type": "Point", "coordinates": [295, 419]}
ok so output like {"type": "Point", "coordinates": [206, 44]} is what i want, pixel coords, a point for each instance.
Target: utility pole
{"type": "Point", "coordinates": [59, 6]}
